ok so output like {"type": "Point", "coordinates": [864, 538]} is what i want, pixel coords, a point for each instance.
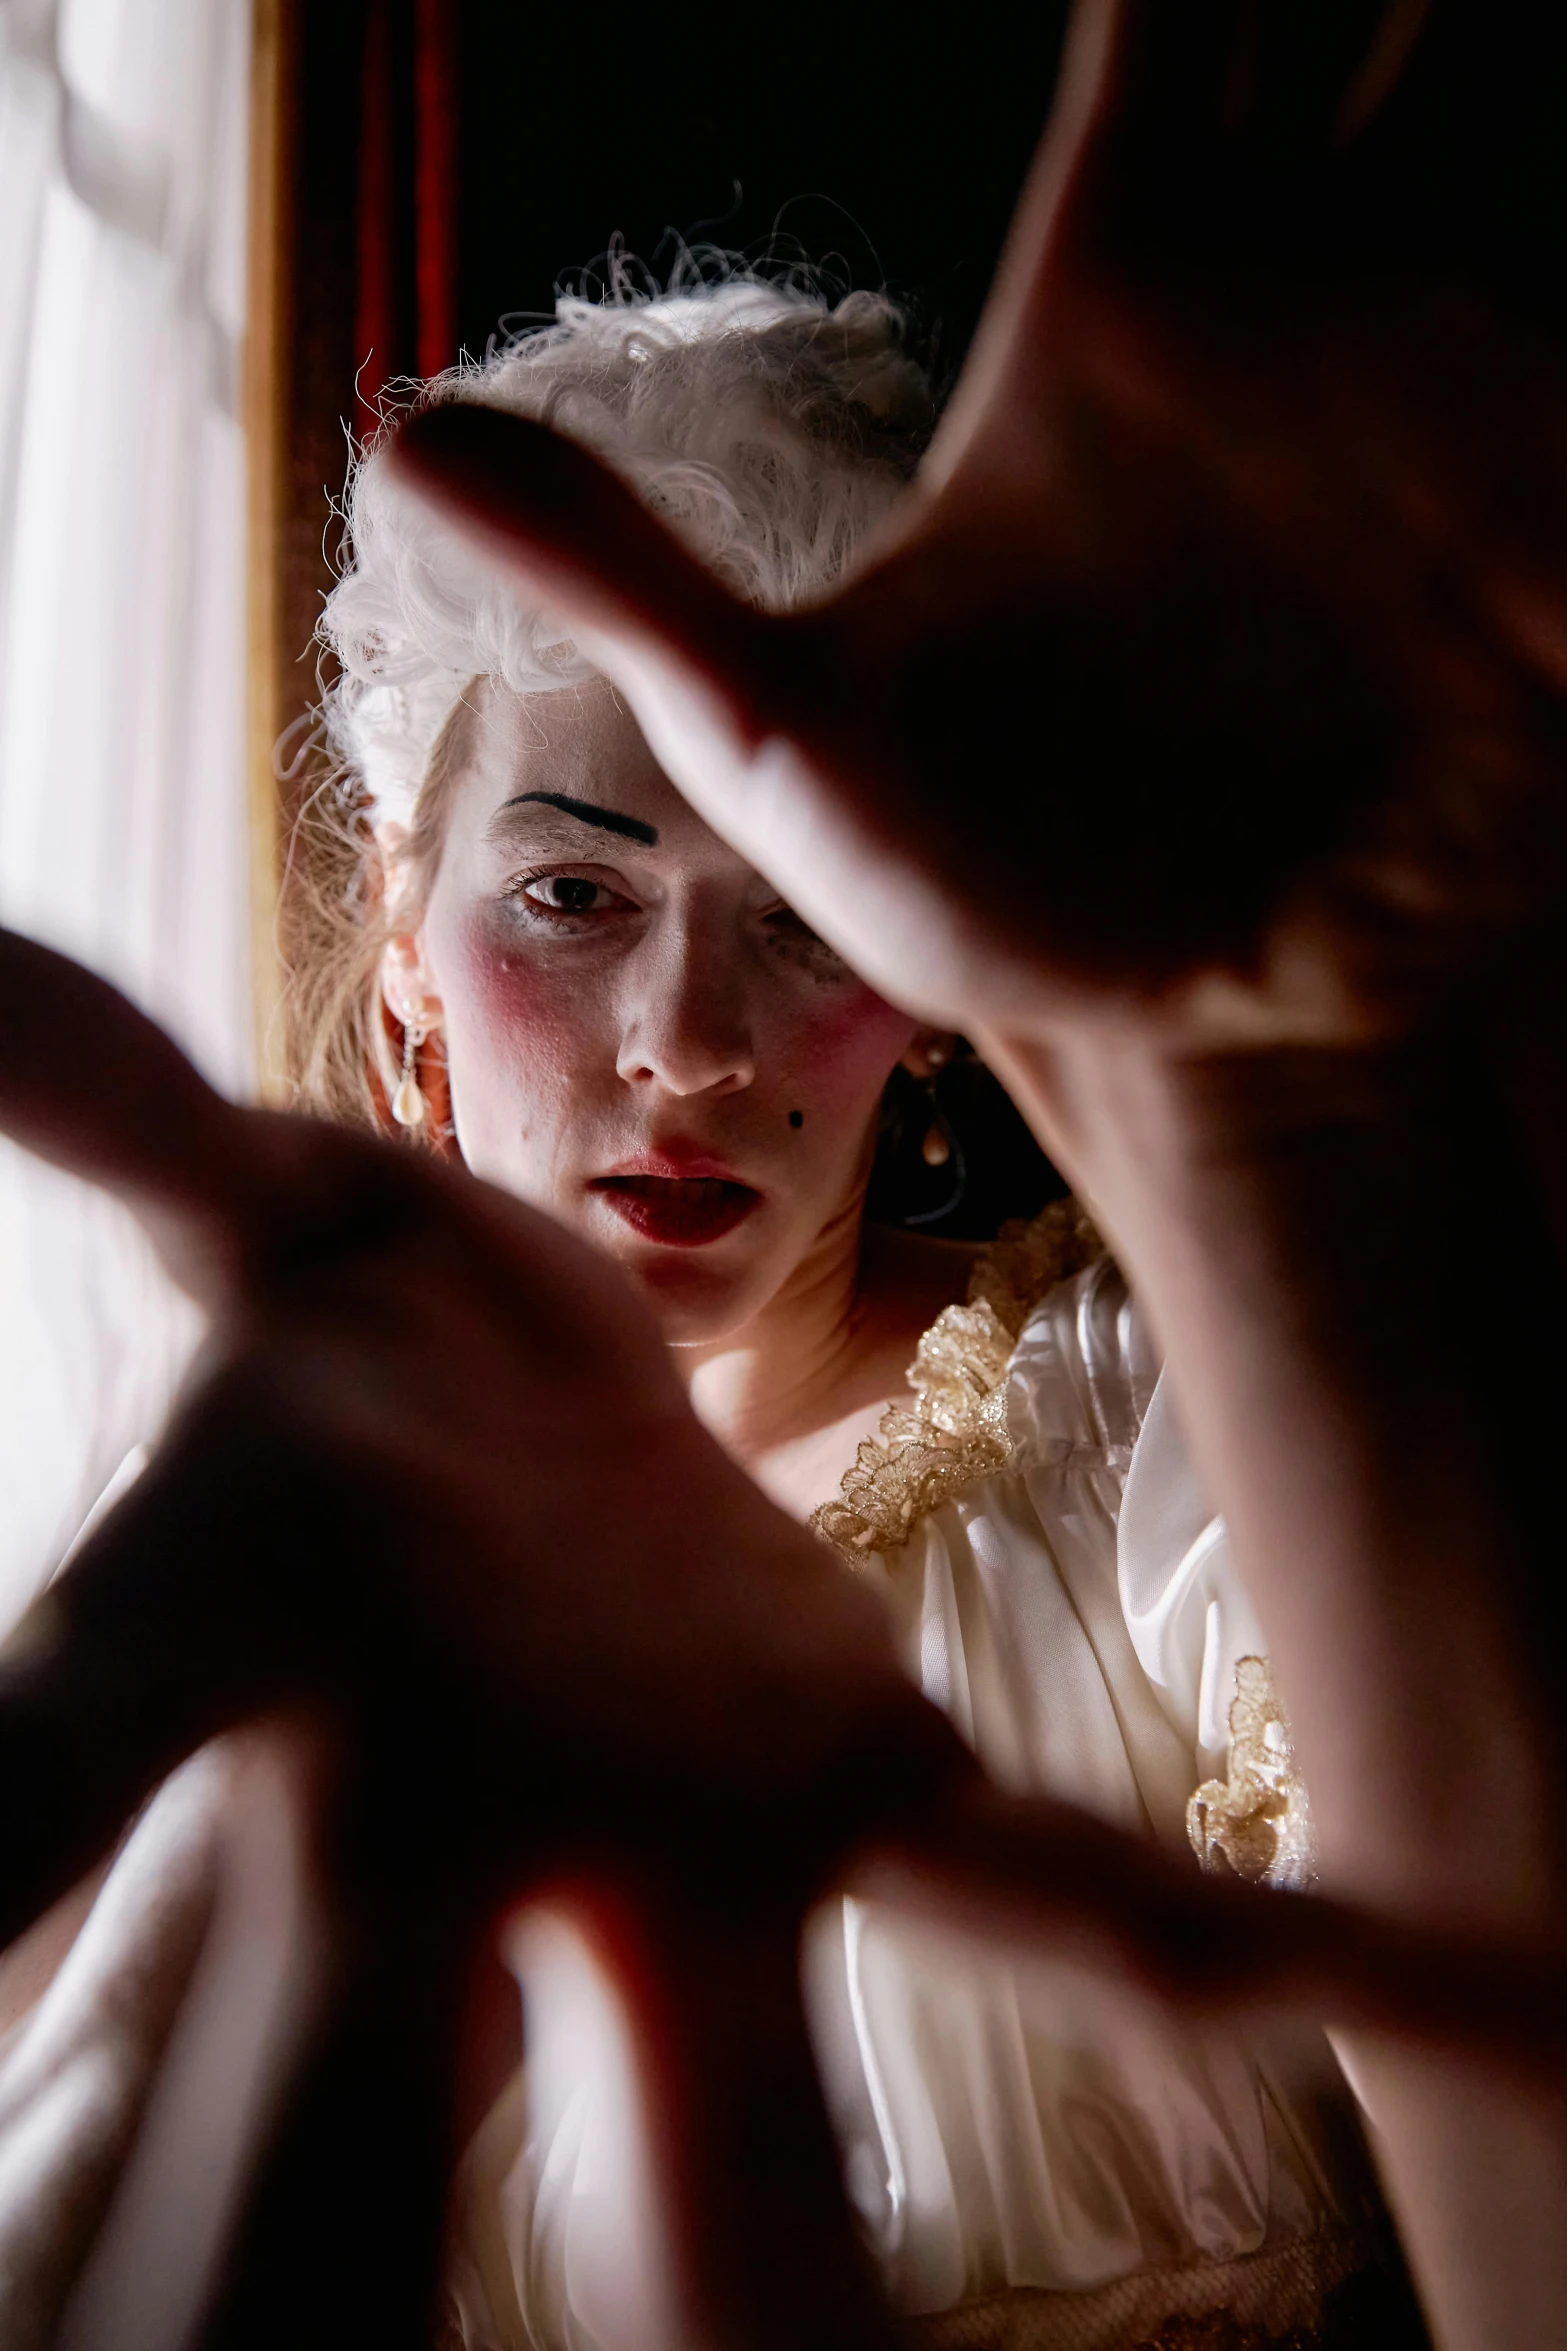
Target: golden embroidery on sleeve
{"type": "Point", "coordinates": [1255, 1823]}
{"type": "Point", "coordinates": [955, 1431]}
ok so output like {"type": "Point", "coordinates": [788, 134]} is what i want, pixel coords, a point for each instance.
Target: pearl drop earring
{"type": "Point", "coordinates": [936, 1149]}
{"type": "Point", "coordinates": [408, 1101]}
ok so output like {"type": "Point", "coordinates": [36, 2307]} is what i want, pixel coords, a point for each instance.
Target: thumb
{"type": "Point", "coordinates": [1032, 1872]}
{"type": "Point", "coordinates": [748, 712]}
{"type": "Point", "coordinates": [573, 535]}
{"type": "Point", "coordinates": [90, 1083]}
{"type": "Point", "coordinates": [93, 1086]}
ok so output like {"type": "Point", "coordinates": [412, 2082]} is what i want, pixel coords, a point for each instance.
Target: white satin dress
{"type": "Point", "coordinates": [1036, 2166]}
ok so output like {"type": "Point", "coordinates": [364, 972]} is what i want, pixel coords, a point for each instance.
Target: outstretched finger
{"type": "Point", "coordinates": [301, 2107]}
{"type": "Point", "coordinates": [1183, 132]}
{"type": "Point", "coordinates": [563, 524]}
{"type": "Point", "coordinates": [198, 1601]}
{"type": "Point", "coordinates": [234, 1198]}
{"type": "Point", "coordinates": [1046, 1875]}
{"type": "Point", "coordinates": [90, 1084]}
{"type": "Point", "coordinates": [1183, 84]}
{"type": "Point", "coordinates": [761, 2248]}
{"type": "Point", "coordinates": [769, 723]}
{"type": "Point", "coordinates": [712, 681]}
{"type": "Point", "coordinates": [360, 2152]}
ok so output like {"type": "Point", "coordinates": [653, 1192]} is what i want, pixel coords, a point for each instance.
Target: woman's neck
{"type": "Point", "coordinates": [830, 1347]}
{"type": "Point", "coordinates": [776, 1378]}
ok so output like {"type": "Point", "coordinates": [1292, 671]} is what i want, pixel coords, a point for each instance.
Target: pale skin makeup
{"type": "Point", "coordinates": [643, 1039]}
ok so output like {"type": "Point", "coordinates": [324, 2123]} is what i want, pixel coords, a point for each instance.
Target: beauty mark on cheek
{"type": "Point", "coordinates": [797, 1118]}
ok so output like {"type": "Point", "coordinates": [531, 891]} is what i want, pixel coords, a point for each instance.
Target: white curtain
{"type": "Point", "coordinates": [123, 833]}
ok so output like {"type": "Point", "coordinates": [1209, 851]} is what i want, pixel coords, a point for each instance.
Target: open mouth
{"type": "Point", "coordinates": [680, 1212]}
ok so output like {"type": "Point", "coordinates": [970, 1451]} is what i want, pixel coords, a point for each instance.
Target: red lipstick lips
{"type": "Point", "coordinates": [681, 1200]}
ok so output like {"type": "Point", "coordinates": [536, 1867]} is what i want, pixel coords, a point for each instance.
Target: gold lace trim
{"type": "Point", "coordinates": [1220, 2330]}
{"type": "Point", "coordinates": [955, 1430]}
{"type": "Point", "coordinates": [1255, 1823]}
{"type": "Point", "coordinates": [1332, 2290]}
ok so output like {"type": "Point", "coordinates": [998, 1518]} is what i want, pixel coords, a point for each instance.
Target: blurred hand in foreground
{"type": "Point", "coordinates": [434, 1497]}
{"type": "Point", "coordinates": [1195, 742]}
{"type": "Point", "coordinates": [1212, 682]}
{"type": "Point", "coordinates": [1209, 692]}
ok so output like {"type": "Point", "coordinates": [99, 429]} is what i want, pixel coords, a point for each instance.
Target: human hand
{"type": "Point", "coordinates": [1211, 683]}
{"type": "Point", "coordinates": [1208, 698]}
{"type": "Point", "coordinates": [430, 1505]}
{"type": "Point", "coordinates": [435, 1506]}
{"type": "Point", "coordinates": [494, 1394]}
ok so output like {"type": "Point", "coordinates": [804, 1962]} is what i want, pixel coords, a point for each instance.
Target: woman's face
{"type": "Point", "coordinates": [642, 1039]}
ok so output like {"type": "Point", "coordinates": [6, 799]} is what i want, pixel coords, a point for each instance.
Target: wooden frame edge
{"type": "Point", "coordinates": [269, 305]}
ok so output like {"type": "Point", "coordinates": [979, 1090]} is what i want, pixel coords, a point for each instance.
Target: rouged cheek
{"type": "Point", "coordinates": [842, 1045]}
{"type": "Point", "coordinates": [529, 1041]}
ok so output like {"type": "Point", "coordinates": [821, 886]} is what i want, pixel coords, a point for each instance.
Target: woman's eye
{"type": "Point", "coordinates": [568, 893]}
{"type": "Point", "coordinates": [784, 923]}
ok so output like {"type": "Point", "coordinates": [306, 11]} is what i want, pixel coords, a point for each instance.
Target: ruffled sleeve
{"type": "Point", "coordinates": [1036, 1500]}
{"type": "Point", "coordinates": [1186, 1609]}
{"type": "Point", "coordinates": [1064, 1592]}
{"type": "Point", "coordinates": [1201, 1647]}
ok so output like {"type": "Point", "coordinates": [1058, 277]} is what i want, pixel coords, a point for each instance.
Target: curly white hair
{"type": "Point", "coordinates": [771, 430]}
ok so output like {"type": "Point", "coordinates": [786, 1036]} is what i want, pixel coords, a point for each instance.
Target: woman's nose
{"type": "Point", "coordinates": [687, 1027]}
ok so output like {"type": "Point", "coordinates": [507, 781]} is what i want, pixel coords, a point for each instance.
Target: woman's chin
{"type": "Point", "coordinates": [695, 1297]}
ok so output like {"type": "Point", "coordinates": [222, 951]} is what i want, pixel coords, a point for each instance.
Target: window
{"type": "Point", "coordinates": [123, 823]}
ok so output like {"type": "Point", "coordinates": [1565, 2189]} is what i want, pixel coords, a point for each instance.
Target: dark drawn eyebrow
{"type": "Point", "coordinates": [609, 820]}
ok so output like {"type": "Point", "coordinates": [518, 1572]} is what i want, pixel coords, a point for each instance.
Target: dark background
{"type": "Point", "coordinates": [889, 144]}
{"type": "Point", "coordinates": [450, 164]}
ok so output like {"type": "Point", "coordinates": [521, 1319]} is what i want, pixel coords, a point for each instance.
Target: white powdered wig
{"type": "Point", "coordinates": [771, 431]}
